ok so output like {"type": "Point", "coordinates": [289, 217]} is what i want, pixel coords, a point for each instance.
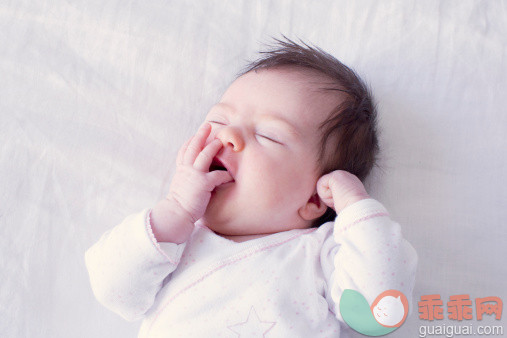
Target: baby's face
{"type": "Point", "coordinates": [268, 121]}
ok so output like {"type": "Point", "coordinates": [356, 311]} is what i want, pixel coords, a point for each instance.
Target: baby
{"type": "Point", "coordinates": [266, 222]}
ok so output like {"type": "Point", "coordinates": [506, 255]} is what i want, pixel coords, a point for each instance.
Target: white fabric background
{"type": "Point", "coordinates": [97, 96]}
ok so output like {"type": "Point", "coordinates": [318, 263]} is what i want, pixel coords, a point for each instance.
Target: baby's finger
{"type": "Point", "coordinates": [219, 177]}
{"type": "Point", "coordinates": [324, 190]}
{"type": "Point", "coordinates": [196, 144]}
{"type": "Point", "coordinates": [205, 157]}
{"type": "Point", "coordinates": [181, 152]}
{"type": "Point", "coordinates": [323, 185]}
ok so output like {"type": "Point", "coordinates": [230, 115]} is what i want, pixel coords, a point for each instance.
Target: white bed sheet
{"type": "Point", "coordinates": [97, 96]}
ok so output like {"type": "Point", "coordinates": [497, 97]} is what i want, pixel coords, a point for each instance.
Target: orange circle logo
{"type": "Point", "coordinates": [390, 308]}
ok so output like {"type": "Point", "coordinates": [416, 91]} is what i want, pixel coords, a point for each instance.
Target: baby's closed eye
{"type": "Point", "coordinates": [272, 139]}
{"type": "Point", "coordinates": [216, 122]}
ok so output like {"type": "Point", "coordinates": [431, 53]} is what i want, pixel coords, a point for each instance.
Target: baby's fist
{"type": "Point", "coordinates": [340, 189]}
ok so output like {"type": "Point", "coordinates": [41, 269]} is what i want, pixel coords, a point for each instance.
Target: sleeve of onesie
{"type": "Point", "coordinates": [368, 254]}
{"type": "Point", "coordinates": [127, 266]}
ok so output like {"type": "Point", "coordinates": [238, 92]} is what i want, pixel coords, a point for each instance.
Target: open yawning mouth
{"type": "Point", "coordinates": [222, 165]}
{"type": "Point", "coordinates": [217, 165]}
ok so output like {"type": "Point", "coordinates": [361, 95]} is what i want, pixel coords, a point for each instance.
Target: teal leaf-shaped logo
{"type": "Point", "coordinates": [385, 315]}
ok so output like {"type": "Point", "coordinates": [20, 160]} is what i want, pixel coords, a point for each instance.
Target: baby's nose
{"type": "Point", "coordinates": [231, 136]}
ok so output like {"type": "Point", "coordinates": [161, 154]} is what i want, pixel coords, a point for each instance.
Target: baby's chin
{"type": "Point", "coordinates": [217, 224]}
{"type": "Point", "coordinates": [215, 219]}
{"type": "Point", "coordinates": [220, 209]}
{"type": "Point", "coordinates": [222, 223]}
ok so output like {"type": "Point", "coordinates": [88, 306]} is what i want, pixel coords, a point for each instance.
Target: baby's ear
{"type": "Point", "coordinates": [313, 209]}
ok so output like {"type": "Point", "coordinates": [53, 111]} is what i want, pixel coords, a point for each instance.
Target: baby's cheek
{"type": "Point", "coordinates": [266, 189]}
{"type": "Point", "coordinates": [282, 188]}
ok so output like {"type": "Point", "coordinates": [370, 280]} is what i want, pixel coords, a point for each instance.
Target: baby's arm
{"type": "Point", "coordinates": [372, 256]}
{"type": "Point", "coordinates": [128, 265]}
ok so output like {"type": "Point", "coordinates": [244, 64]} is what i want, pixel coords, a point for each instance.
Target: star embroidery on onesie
{"type": "Point", "coordinates": [252, 327]}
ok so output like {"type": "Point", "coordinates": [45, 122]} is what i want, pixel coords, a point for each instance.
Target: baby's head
{"type": "Point", "coordinates": [292, 116]}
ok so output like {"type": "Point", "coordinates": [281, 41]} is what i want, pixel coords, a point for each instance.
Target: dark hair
{"type": "Point", "coordinates": [351, 127]}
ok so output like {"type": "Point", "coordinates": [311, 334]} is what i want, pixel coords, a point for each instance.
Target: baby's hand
{"type": "Point", "coordinates": [192, 183]}
{"type": "Point", "coordinates": [340, 189]}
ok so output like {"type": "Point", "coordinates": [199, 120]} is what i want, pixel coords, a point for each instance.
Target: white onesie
{"type": "Point", "coordinates": [286, 284]}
